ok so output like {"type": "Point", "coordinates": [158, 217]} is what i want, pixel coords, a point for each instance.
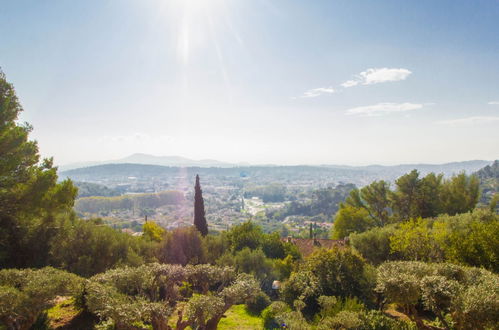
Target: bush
{"type": "Point", "coordinates": [342, 320]}
{"type": "Point", "coordinates": [377, 320]}
{"type": "Point", "coordinates": [24, 294]}
{"type": "Point", "coordinates": [270, 313]}
{"type": "Point", "coordinates": [258, 303]}
{"type": "Point", "coordinates": [374, 244]}
{"type": "Point", "coordinates": [469, 295]}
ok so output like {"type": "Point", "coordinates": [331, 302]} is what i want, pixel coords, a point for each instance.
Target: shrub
{"type": "Point", "coordinates": [24, 294]}
{"type": "Point", "coordinates": [258, 303]}
{"type": "Point", "coordinates": [270, 313]}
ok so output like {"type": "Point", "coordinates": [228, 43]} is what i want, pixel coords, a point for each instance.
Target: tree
{"type": "Point", "coordinates": [30, 196]}
{"type": "Point", "coordinates": [153, 231]}
{"type": "Point", "coordinates": [337, 272]}
{"type": "Point", "coordinates": [199, 215]}
{"type": "Point", "coordinates": [414, 241]}
{"type": "Point", "coordinates": [351, 220]}
{"type": "Point", "coordinates": [182, 246]}
{"type": "Point", "coordinates": [460, 194]}
{"type": "Point", "coordinates": [405, 197]}
{"type": "Point", "coordinates": [374, 198]}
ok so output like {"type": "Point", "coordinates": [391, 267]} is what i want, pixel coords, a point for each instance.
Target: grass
{"type": "Point", "coordinates": [64, 315]}
{"type": "Point", "coordinates": [237, 317]}
{"type": "Point", "coordinates": [62, 312]}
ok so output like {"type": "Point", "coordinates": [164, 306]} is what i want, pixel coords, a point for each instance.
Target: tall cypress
{"type": "Point", "coordinates": [199, 215]}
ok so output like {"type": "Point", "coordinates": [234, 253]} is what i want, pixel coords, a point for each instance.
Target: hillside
{"type": "Point", "coordinates": [112, 174]}
{"type": "Point", "coordinates": [145, 159]}
{"type": "Point", "coordinates": [489, 181]}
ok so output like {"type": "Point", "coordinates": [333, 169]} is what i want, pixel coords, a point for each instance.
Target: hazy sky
{"type": "Point", "coordinates": [260, 81]}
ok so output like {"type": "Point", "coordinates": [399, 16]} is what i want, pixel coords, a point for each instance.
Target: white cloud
{"type": "Point", "coordinates": [493, 103]}
{"type": "Point", "coordinates": [470, 120]}
{"type": "Point", "coordinates": [318, 91]}
{"type": "Point", "coordinates": [377, 75]}
{"type": "Point", "coordinates": [350, 83]}
{"type": "Point", "coordinates": [381, 109]}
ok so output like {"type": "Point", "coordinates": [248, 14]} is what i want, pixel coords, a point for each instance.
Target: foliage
{"type": "Point", "coordinates": [152, 231]}
{"type": "Point", "coordinates": [350, 220]}
{"type": "Point", "coordinates": [182, 246]}
{"type": "Point", "coordinates": [468, 238]}
{"type": "Point", "coordinates": [149, 293]}
{"type": "Point", "coordinates": [374, 244]}
{"type": "Point", "coordinates": [374, 319]}
{"type": "Point", "coordinates": [413, 240]}
{"type": "Point", "coordinates": [343, 320]}
{"type": "Point", "coordinates": [251, 262]}
{"type": "Point", "coordinates": [24, 294]}
{"type": "Point", "coordinates": [335, 272]}
{"type": "Point", "coordinates": [258, 303]}
{"type": "Point", "coordinates": [247, 234]}
{"type": "Point", "coordinates": [206, 311]}
{"type": "Point", "coordinates": [374, 199]}
{"type": "Point", "coordinates": [98, 204]}
{"type": "Point", "coordinates": [199, 214]}
{"type": "Point", "coordinates": [88, 189]}
{"type": "Point", "coordinates": [269, 194]}
{"type": "Point", "coordinates": [469, 295]}
{"type": "Point", "coordinates": [84, 248]}
{"type": "Point", "coordinates": [30, 196]}
{"type": "Point", "coordinates": [270, 314]}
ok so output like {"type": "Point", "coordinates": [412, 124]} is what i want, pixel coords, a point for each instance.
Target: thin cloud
{"type": "Point", "coordinates": [493, 103]}
{"type": "Point", "coordinates": [470, 120]}
{"type": "Point", "coordinates": [381, 109]}
{"type": "Point", "coordinates": [377, 75]}
{"type": "Point", "coordinates": [318, 91]}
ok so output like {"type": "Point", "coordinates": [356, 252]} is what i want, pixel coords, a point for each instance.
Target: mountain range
{"type": "Point", "coordinates": [145, 159]}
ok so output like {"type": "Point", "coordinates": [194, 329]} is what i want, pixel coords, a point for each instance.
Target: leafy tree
{"type": "Point", "coordinates": [199, 215]}
{"type": "Point", "coordinates": [182, 246]}
{"type": "Point", "coordinates": [460, 194]}
{"type": "Point", "coordinates": [205, 312]}
{"type": "Point", "coordinates": [152, 231]}
{"type": "Point", "coordinates": [430, 196]}
{"type": "Point", "coordinates": [350, 220]}
{"type": "Point", "coordinates": [84, 248]}
{"type": "Point", "coordinates": [413, 240]}
{"type": "Point", "coordinates": [247, 234]}
{"type": "Point", "coordinates": [30, 196]}
{"type": "Point", "coordinates": [405, 197]}
{"type": "Point", "coordinates": [335, 272]}
{"type": "Point", "coordinates": [373, 198]}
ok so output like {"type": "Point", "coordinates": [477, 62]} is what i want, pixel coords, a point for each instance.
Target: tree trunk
{"type": "Point", "coordinates": [213, 322]}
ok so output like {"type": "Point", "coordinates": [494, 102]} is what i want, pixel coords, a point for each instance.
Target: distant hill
{"type": "Point", "coordinates": [146, 159]}
{"type": "Point", "coordinates": [359, 175]}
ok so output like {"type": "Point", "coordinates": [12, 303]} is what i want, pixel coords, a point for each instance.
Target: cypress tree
{"type": "Point", "coordinates": [199, 215]}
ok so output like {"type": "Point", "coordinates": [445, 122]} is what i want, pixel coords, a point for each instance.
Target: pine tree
{"type": "Point", "coordinates": [199, 215]}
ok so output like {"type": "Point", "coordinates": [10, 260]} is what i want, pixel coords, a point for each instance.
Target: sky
{"type": "Point", "coordinates": [257, 81]}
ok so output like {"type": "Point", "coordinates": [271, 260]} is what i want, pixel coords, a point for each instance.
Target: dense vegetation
{"type": "Point", "coordinates": [422, 251]}
{"type": "Point", "coordinates": [376, 205]}
{"type": "Point", "coordinates": [128, 202]}
{"type": "Point", "coordinates": [87, 189]}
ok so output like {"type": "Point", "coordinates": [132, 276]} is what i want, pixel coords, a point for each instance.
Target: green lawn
{"type": "Point", "coordinates": [239, 318]}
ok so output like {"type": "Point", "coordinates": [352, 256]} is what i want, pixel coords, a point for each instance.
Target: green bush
{"type": "Point", "coordinates": [258, 303]}
{"type": "Point", "coordinates": [270, 313]}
